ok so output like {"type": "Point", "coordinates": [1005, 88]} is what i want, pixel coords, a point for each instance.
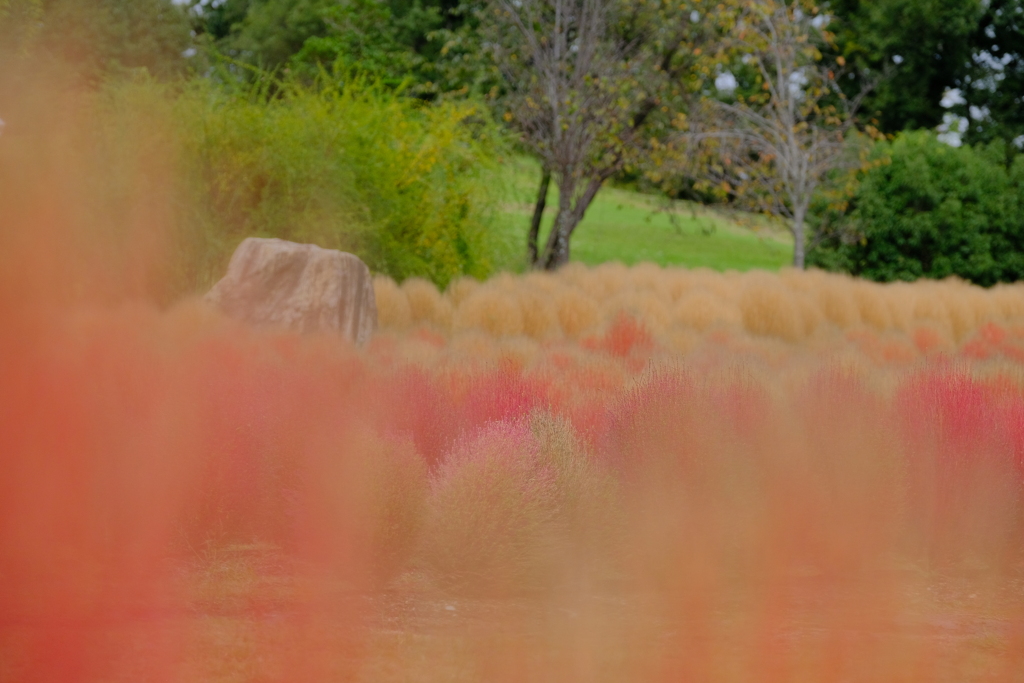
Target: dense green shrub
{"type": "Point", "coordinates": [925, 209]}
{"type": "Point", "coordinates": [407, 186]}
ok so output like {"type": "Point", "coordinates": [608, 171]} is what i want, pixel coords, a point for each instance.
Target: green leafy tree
{"type": "Point", "coordinates": [264, 33]}
{"type": "Point", "coordinates": [359, 35]}
{"type": "Point", "coordinates": [927, 46]}
{"type": "Point", "coordinates": [428, 45]}
{"type": "Point", "coordinates": [992, 89]}
{"type": "Point", "coordinates": [929, 210]}
{"type": "Point", "coordinates": [588, 85]}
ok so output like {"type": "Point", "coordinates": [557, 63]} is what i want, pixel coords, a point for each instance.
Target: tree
{"type": "Point", "coordinates": [992, 87]}
{"type": "Point", "coordinates": [588, 84]}
{"type": "Point", "coordinates": [925, 44]}
{"type": "Point", "coordinates": [429, 46]}
{"type": "Point", "coordinates": [270, 32]}
{"type": "Point", "coordinates": [772, 149]}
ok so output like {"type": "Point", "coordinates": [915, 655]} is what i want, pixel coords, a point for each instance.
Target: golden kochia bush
{"type": "Point", "coordinates": [679, 307]}
{"type": "Point", "coordinates": [519, 507]}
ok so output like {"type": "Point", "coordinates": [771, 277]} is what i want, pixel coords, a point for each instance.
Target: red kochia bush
{"type": "Point", "coordinates": [435, 409]}
{"type": "Point", "coordinates": [625, 335]}
{"type": "Point", "coordinates": [92, 478]}
{"type": "Point", "coordinates": [124, 458]}
{"type": "Point", "coordinates": [963, 443]}
{"type": "Point", "coordinates": [492, 504]}
{"type": "Point", "coordinates": [518, 507]}
{"type": "Point", "coordinates": [412, 402]}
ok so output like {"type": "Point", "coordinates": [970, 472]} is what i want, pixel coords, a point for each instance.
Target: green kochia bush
{"type": "Point", "coordinates": [926, 209]}
{"type": "Point", "coordinates": [405, 185]}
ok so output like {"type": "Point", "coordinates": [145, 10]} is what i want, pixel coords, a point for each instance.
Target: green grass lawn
{"type": "Point", "coordinates": [622, 225]}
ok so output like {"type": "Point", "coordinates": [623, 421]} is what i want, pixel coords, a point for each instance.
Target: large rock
{"type": "Point", "coordinates": [299, 287]}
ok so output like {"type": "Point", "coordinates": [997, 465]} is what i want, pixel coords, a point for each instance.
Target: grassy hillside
{"type": "Point", "coordinates": [622, 225]}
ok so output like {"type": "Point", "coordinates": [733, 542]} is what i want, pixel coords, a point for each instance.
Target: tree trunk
{"type": "Point", "coordinates": [538, 214]}
{"type": "Point", "coordinates": [798, 238]}
{"type": "Point", "coordinates": [556, 254]}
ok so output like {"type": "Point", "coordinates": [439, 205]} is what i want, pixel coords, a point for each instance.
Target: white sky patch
{"type": "Point", "coordinates": [797, 83]}
{"type": "Point", "coordinates": [897, 59]}
{"type": "Point", "coordinates": [1018, 142]}
{"type": "Point", "coordinates": [695, 16]}
{"type": "Point", "coordinates": [951, 98]}
{"type": "Point", "coordinates": [821, 21]}
{"type": "Point", "coordinates": [726, 83]}
{"type": "Point", "coordinates": [952, 128]}
{"type": "Point", "coordinates": [978, 113]}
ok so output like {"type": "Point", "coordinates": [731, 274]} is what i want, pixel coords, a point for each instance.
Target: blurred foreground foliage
{"type": "Point", "coordinates": [100, 38]}
{"type": "Point", "coordinates": [925, 209]}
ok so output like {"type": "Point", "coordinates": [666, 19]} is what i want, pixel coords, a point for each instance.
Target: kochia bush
{"type": "Point", "coordinates": [492, 505]}
{"type": "Point", "coordinates": [518, 507]}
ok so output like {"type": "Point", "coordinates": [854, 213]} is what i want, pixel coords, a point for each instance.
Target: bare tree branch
{"type": "Point", "coordinates": [773, 147]}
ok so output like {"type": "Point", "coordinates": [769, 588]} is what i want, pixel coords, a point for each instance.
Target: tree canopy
{"type": "Point", "coordinates": [428, 45]}
{"type": "Point", "coordinates": [930, 47]}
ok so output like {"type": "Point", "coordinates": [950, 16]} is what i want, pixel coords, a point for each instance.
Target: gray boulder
{"type": "Point", "coordinates": [298, 287]}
